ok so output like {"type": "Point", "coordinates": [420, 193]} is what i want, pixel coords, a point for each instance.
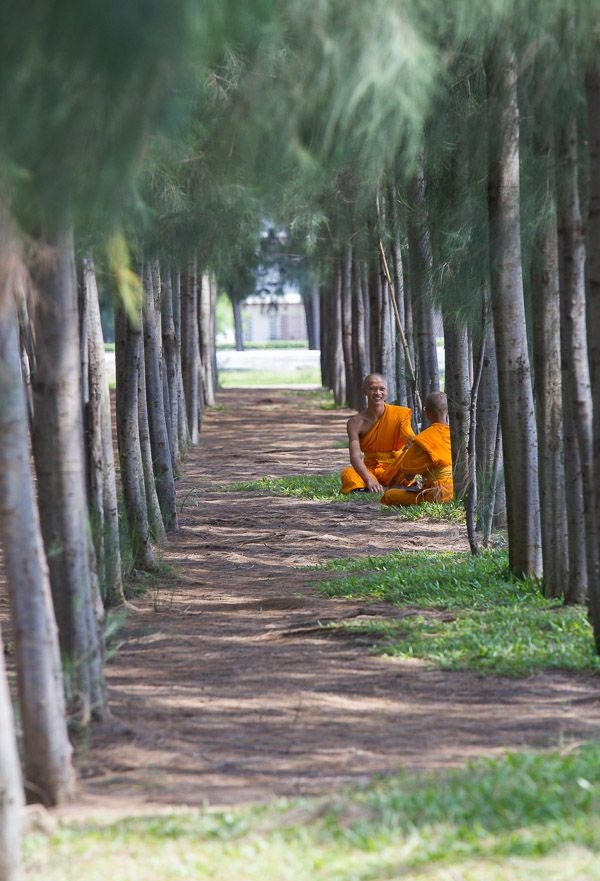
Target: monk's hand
{"type": "Point", "coordinates": [374, 486]}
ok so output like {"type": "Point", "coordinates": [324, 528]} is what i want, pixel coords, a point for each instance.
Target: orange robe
{"type": "Point", "coordinates": [381, 445]}
{"type": "Point", "coordinates": [430, 456]}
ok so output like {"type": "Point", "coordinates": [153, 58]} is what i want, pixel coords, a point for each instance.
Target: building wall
{"type": "Point", "coordinates": [265, 321]}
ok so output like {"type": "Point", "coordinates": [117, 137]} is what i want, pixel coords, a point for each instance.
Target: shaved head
{"type": "Point", "coordinates": [436, 405]}
{"type": "Point", "coordinates": [377, 377]}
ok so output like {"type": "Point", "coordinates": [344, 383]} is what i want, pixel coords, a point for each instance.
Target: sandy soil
{"type": "Point", "coordinates": [224, 690]}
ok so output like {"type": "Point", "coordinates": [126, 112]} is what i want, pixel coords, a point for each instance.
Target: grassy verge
{"type": "Point", "coordinates": [322, 487]}
{"type": "Point", "coordinates": [518, 818]}
{"type": "Point", "coordinates": [500, 625]}
{"type": "Point", "coordinates": [245, 378]}
{"type": "Point", "coordinates": [269, 344]}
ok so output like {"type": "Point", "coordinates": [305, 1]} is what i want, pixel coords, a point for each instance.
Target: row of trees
{"type": "Point", "coordinates": [426, 165]}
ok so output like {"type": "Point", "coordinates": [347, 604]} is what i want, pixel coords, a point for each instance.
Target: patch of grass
{"type": "Point", "coordinates": [259, 378]}
{"type": "Point", "coordinates": [305, 486]}
{"type": "Point", "coordinates": [502, 625]}
{"type": "Point", "coordinates": [526, 813]}
{"type": "Point", "coordinates": [453, 511]}
{"type": "Point", "coordinates": [269, 344]}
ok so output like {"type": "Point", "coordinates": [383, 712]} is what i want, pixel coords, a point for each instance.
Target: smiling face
{"type": "Point", "coordinates": [375, 388]}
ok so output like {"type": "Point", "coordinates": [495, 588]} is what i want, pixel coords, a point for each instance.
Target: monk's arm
{"type": "Point", "coordinates": [356, 459]}
{"type": "Point", "coordinates": [414, 461]}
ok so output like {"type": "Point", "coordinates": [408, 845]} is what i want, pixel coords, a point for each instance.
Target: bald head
{"type": "Point", "coordinates": [436, 407]}
{"type": "Point", "coordinates": [373, 378]}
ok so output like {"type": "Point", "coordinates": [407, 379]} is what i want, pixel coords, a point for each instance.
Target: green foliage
{"type": "Point", "coordinates": [306, 486]}
{"type": "Point", "coordinates": [453, 511]}
{"type": "Point", "coordinates": [268, 344]}
{"type": "Point", "coordinates": [527, 811]}
{"type": "Point", "coordinates": [501, 625]}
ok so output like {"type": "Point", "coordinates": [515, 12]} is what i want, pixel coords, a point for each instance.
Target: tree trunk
{"type": "Point", "coordinates": [238, 325]}
{"type": "Point", "coordinates": [458, 392]}
{"type": "Point", "coordinates": [593, 107]}
{"type": "Point", "coordinates": [59, 462]}
{"type": "Point", "coordinates": [421, 269]}
{"type": "Point", "coordinates": [128, 346]}
{"type": "Point", "coordinates": [514, 376]}
{"type": "Point", "coordinates": [183, 432]}
{"type": "Point", "coordinates": [11, 786]}
{"type": "Point", "coordinates": [206, 341]}
{"type": "Point", "coordinates": [101, 462]}
{"type": "Point", "coordinates": [162, 462]}
{"type": "Point", "coordinates": [336, 354]}
{"type": "Point", "coordinates": [375, 306]}
{"type": "Point", "coordinates": [190, 352]}
{"type": "Point", "coordinates": [169, 344]}
{"type": "Point", "coordinates": [359, 335]}
{"type": "Point", "coordinates": [490, 474]}
{"type": "Point", "coordinates": [353, 393]}
{"type": "Point", "coordinates": [576, 376]}
{"type": "Point", "coordinates": [312, 310]}
{"type": "Point", "coordinates": [46, 747]}
{"type": "Point", "coordinates": [403, 378]}
{"type": "Point", "coordinates": [155, 518]}
{"type": "Point", "coordinates": [548, 398]}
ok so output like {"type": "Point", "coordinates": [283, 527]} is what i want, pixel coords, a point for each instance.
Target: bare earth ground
{"type": "Point", "coordinates": [224, 691]}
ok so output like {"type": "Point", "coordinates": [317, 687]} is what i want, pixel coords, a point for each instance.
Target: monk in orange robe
{"type": "Point", "coordinates": [380, 433]}
{"type": "Point", "coordinates": [424, 471]}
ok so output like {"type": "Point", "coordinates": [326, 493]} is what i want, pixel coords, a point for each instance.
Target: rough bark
{"type": "Point", "coordinates": [458, 392]}
{"type": "Point", "coordinates": [359, 336]}
{"type": "Point", "coordinates": [128, 345]}
{"type": "Point", "coordinates": [155, 518]}
{"type": "Point", "coordinates": [548, 384]}
{"type": "Point", "coordinates": [48, 771]}
{"type": "Point", "coordinates": [514, 376]}
{"type": "Point", "coordinates": [206, 339]}
{"type": "Point", "coordinates": [353, 393]}
{"type": "Point", "coordinates": [490, 477]}
{"type": "Point", "coordinates": [576, 374]}
{"type": "Point", "coordinates": [60, 468]}
{"type": "Point", "coordinates": [421, 266]}
{"type": "Point", "coordinates": [183, 433]}
{"type": "Point", "coordinates": [190, 351]}
{"type": "Point", "coordinates": [11, 787]}
{"type": "Point", "coordinates": [403, 378]}
{"type": "Point", "coordinates": [335, 351]}
{"type": "Point", "coordinates": [162, 461]}
{"type": "Point", "coordinates": [101, 464]}
{"type": "Point", "coordinates": [593, 108]}
{"type": "Point", "coordinates": [169, 345]}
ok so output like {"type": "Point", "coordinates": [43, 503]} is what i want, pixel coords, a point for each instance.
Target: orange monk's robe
{"type": "Point", "coordinates": [381, 445]}
{"type": "Point", "coordinates": [430, 456]}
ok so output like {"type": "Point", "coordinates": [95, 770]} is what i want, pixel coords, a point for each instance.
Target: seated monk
{"type": "Point", "coordinates": [429, 455]}
{"type": "Point", "coordinates": [380, 432]}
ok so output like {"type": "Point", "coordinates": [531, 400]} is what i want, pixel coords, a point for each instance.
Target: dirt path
{"type": "Point", "coordinates": [224, 691]}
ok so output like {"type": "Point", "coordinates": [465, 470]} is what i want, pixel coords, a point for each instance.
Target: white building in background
{"type": "Point", "coordinates": [277, 318]}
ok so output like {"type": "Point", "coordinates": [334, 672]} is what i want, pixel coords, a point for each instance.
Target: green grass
{"type": "Point", "coordinates": [521, 817]}
{"type": "Point", "coordinates": [245, 378]}
{"type": "Point", "coordinates": [270, 344]}
{"type": "Point", "coordinates": [501, 625]}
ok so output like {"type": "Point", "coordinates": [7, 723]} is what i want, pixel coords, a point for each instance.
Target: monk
{"type": "Point", "coordinates": [380, 432]}
{"type": "Point", "coordinates": [429, 456]}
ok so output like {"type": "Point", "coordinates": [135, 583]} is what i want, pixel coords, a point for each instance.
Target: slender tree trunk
{"type": "Point", "coordinates": [458, 392]}
{"type": "Point", "coordinates": [59, 462]}
{"type": "Point", "coordinates": [169, 343]}
{"type": "Point", "coordinates": [375, 307]}
{"type": "Point", "coordinates": [547, 366]}
{"type": "Point", "coordinates": [514, 376]}
{"type": "Point", "coordinates": [403, 379]}
{"type": "Point", "coordinates": [238, 325]}
{"type": "Point", "coordinates": [428, 378]}
{"type": "Point", "coordinates": [576, 375]}
{"type": "Point", "coordinates": [11, 787]}
{"type": "Point", "coordinates": [128, 347]}
{"type": "Point", "coordinates": [183, 433]}
{"type": "Point", "coordinates": [593, 107]}
{"type": "Point", "coordinates": [155, 518]}
{"type": "Point", "coordinates": [353, 392]}
{"type": "Point", "coordinates": [206, 340]}
{"type": "Point", "coordinates": [359, 336]}
{"type": "Point", "coordinates": [190, 352]}
{"type": "Point", "coordinates": [101, 462]}
{"type": "Point", "coordinates": [46, 748]}
{"type": "Point", "coordinates": [490, 478]}
{"type": "Point", "coordinates": [335, 350]}
{"type": "Point", "coordinates": [313, 314]}
{"type": "Point", "coordinates": [162, 461]}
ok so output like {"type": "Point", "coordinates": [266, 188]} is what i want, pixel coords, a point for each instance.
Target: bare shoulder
{"type": "Point", "coordinates": [358, 424]}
